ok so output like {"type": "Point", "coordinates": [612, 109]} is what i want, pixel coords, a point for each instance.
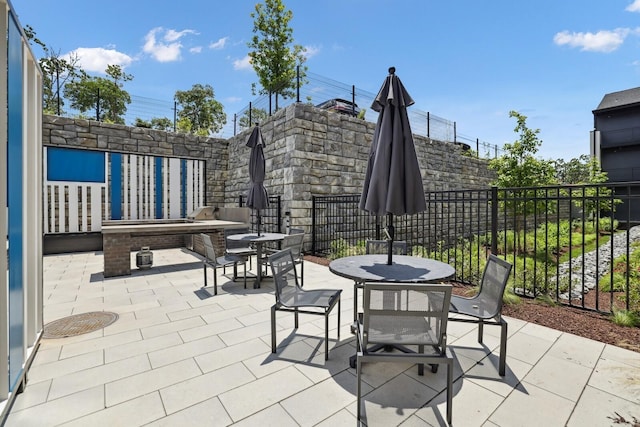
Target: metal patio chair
{"type": "Point", "coordinates": [239, 249]}
{"type": "Point", "coordinates": [486, 306]}
{"type": "Point", "coordinates": [291, 297]}
{"type": "Point", "coordinates": [213, 261]}
{"type": "Point", "coordinates": [405, 314]}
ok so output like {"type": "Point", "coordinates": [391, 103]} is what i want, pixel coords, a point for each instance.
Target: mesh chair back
{"type": "Point", "coordinates": [380, 247]}
{"type": "Point", "coordinates": [235, 244]}
{"type": "Point", "coordinates": [492, 286]}
{"type": "Point", "coordinates": [284, 274]}
{"type": "Point", "coordinates": [405, 314]}
{"type": "Point", "coordinates": [294, 242]}
{"type": "Point", "coordinates": [209, 251]}
{"type": "Point", "coordinates": [296, 231]}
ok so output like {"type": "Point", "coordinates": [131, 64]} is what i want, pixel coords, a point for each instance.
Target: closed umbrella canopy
{"type": "Point", "coordinates": [393, 183]}
{"type": "Point", "coordinates": [257, 197]}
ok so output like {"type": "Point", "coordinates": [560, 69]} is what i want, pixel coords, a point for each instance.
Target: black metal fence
{"type": "Point", "coordinates": [270, 218]}
{"type": "Point", "coordinates": [574, 244]}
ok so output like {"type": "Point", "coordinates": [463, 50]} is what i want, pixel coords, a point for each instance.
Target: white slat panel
{"type": "Point", "coordinates": [96, 207]}
{"type": "Point", "coordinates": [73, 208]}
{"type": "Point", "coordinates": [165, 188]}
{"type": "Point", "coordinates": [62, 213]}
{"type": "Point", "coordinates": [152, 188]}
{"type": "Point", "coordinates": [133, 186]}
{"type": "Point", "coordinates": [174, 188]}
{"type": "Point", "coordinates": [85, 205]}
{"type": "Point", "coordinates": [125, 186]}
{"type": "Point", "coordinates": [200, 183]}
{"type": "Point", "coordinates": [190, 186]}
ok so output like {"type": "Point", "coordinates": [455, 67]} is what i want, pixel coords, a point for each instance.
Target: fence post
{"type": "Point", "coordinates": [455, 132]}
{"type": "Point", "coordinates": [313, 225]}
{"type": "Point", "coordinates": [298, 83]}
{"type": "Point", "coordinates": [494, 220]}
{"type": "Point", "coordinates": [98, 107]}
{"type": "Point", "coordinates": [478, 148]}
{"type": "Point", "coordinates": [428, 125]}
{"type": "Point", "coordinates": [353, 99]}
{"type": "Point", "coordinates": [175, 115]}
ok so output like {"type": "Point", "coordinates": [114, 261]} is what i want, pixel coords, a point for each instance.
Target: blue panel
{"type": "Point", "coordinates": [67, 164]}
{"type": "Point", "coordinates": [183, 188]}
{"type": "Point", "coordinates": [159, 187]}
{"type": "Point", "coordinates": [14, 198]}
{"type": "Point", "coordinates": [116, 185]}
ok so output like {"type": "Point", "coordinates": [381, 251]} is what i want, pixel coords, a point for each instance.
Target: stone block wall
{"type": "Point", "coordinates": [310, 151]}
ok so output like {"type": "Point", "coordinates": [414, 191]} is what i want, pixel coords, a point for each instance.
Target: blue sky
{"type": "Point", "coordinates": [467, 61]}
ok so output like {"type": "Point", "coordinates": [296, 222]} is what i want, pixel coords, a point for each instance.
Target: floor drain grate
{"type": "Point", "coordinates": [79, 324]}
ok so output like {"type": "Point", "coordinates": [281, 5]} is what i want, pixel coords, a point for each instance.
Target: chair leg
{"type": "Point", "coordinates": [273, 329]}
{"type": "Point", "coordinates": [326, 336]}
{"type": "Point", "coordinates": [205, 274]}
{"type": "Point", "coordinates": [301, 271]}
{"type": "Point", "coordinates": [338, 318]}
{"type": "Point", "coordinates": [245, 273]}
{"type": "Point", "coordinates": [503, 348]}
{"type": "Point", "coordinates": [358, 387]}
{"type": "Point", "coordinates": [480, 330]}
{"type": "Point", "coordinates": [421, 365]}
{"type": "Point", "coordinates": [449, 391]}
{"type": "Point", "coordinates": [295, 316]}
{"type": "Point", "coordinates": [215, 281]}
{"type": "Point", "coordinates": [355, 301]}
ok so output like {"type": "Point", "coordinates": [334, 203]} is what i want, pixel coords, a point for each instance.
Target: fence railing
{"type": "Point", "coordinates": [564, 241]}
{"type": "Point", "coordinates": [317, 89]}
{"type": "Point", "coordinates": [313, 89]}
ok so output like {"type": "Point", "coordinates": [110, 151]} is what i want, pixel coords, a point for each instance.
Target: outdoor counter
{"type": "Point", "coordinates": [119, 238]}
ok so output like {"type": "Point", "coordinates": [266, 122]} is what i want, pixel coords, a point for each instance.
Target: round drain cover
{"type": "Point", "coordinates": [79, 324]}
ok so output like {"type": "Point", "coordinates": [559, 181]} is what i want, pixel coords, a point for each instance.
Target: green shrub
{"type": "Point", "coordinates": [626, 318]}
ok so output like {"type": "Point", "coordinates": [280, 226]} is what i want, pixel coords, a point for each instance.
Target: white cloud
{"type": "Point", "coordinates": [242, 64]}
{"type": "Point", "coordinates": [633, 7]}
{"type": "Point", "coordinates": [219, 44]}
{"type": "Point", "coordinates": [233, 99]}
{"type": "Point", "coordinates": [602, 41]}
{"type": "Point", "coordinates": [311, 51]}
{"type": "Point", "coordinates": [168, 48]}
{"type": "Point", "coordinates": [196, 49]}
{"type": "Point", "coordinates": [96, 59]}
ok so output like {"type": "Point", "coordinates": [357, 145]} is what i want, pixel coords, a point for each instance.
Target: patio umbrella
{"type": "Point", "coordinates": [257, 197]}
{"type": "Point", "coordinates": [393, 183]}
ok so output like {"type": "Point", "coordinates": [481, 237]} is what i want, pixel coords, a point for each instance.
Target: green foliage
{"type": "Point", "coordinates": [56, 73]}
{"type": "Point", "coordinates": [625, 271]}
{"type": "Point", "coordinates": [198, 111]}
{"type": "Point", "coordinates": [104, 94]}
{"type": "Point", "coordinates": [341, 248]}
{"type": "Point", "coordinates": [258, 115]}
{"type": "Point", "coordinates": [162, 123]}
{"type": "Point", "coordinates": [626, 318]}
{"type": "Point", "coordinates": [273, 55]}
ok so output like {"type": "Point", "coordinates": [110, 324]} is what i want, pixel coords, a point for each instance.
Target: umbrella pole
{"type": "Point", "coordinates": [391, 237]}
{"type": "Point", "coordinates": [259, 221]}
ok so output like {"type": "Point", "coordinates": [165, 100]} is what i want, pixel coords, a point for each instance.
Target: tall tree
{"type": "Point", "coordinates": [105, 94]}
{"type": "Point", "coordinates": [198, 111]}
{"type": "Point", "coordinates": [56, 72]}
{"type": "Point", "coordinates": [273, 54]}
{"type": "Point", "coordinates": [519, 167]}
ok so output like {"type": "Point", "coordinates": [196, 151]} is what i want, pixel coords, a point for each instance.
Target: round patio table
{"type": "Point", "coordinates": [258, 240]}
{"type": "Point", "coordinates": [404, 268]}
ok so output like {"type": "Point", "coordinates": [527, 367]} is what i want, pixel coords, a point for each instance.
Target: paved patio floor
{"type": "Point", "coordinates": [180, 356]}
